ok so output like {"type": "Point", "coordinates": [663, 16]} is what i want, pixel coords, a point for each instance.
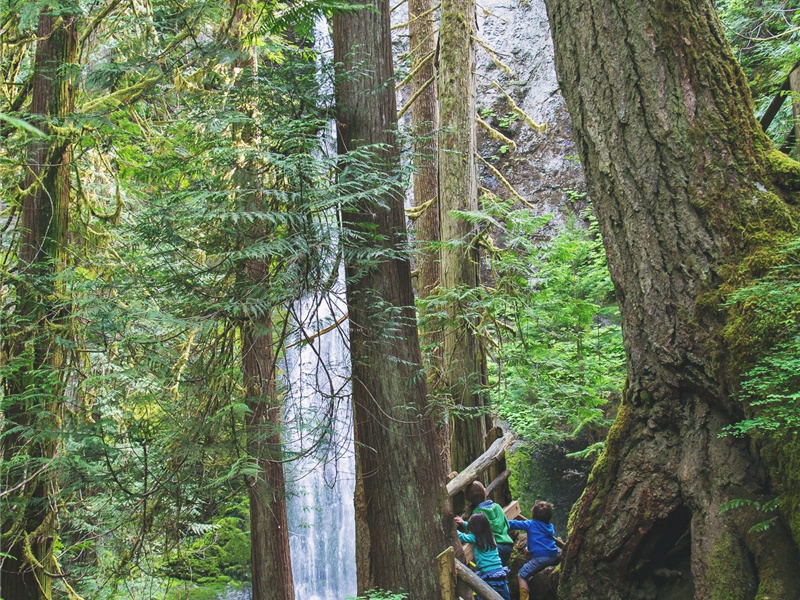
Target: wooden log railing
{"type": "Point", "coordinates": [778, 100]}
{"type": "Point", "coordinates": [480, 464]}
{"type": "Point", "coordinates": [450, 569]}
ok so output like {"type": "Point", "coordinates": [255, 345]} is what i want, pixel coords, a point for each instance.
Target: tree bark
{"type": "Point", "coordinates": [270, 557]}
{"type": "Point", "coordinates": [458, 191]}
{"type": "Point", "coordinates": [422, 38]}
{"type": "Point", "coordinates": [424, 123]}
{"type": "Point", "coordinates": [271, 563]}
{"type": "Point", "coordinates": [689, 195]}
{"type": "Point", "coordinates": [405, 509]}
{"type": "Point", "coordinates": [33, 391]}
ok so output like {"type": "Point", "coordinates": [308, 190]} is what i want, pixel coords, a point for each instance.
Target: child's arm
{"type": "Point", "coordinates": [559, 542]}
{"type": "Point", "coordinates": [466, 538]}
{"type": "Point", "coordinates": [514, 524]}
{"type": "Point", "coordinates": [460, 523]}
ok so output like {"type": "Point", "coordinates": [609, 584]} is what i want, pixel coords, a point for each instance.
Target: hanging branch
{"type": "Point", "coordinates": [497, 135]}
{"type": "Point", "coordinates": [414, 97]}
{"type": "Point", "coordinates": [493, 54]}
{"type": "Point", "coordinates": [505, 182]}
{"type": "Point", "coordinates": [419, 16]}
{"type": "Point", "coordinates": [541, 128]}
{"type": "Point", "coordinates": [414, 71]}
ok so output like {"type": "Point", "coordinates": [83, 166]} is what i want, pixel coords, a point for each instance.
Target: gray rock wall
{"type": "Point", "coordinates": [545, 168]}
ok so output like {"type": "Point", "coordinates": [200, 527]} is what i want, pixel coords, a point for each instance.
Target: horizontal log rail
{"type": "Point", "coordinates": [475, 583]}
{"type": "Point", "coordinates": [778, 100]}
{"type": "Point", "coordinates": [480, 464]}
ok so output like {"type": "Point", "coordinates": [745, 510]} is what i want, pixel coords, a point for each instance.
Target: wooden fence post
{"type": "Point", "coordinates": [447, 573]}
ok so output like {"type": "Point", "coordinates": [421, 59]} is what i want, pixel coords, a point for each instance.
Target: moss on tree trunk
{"type": "Point", "coordinates": [691, 201]}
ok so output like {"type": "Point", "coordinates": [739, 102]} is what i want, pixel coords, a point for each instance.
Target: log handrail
{"type": "Point", "coordinates": [475, 583]}
{"type": "Point", "coordinates": [480, 464]}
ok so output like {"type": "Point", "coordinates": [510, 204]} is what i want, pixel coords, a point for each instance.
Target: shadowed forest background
{"type": "Point", "coordinates": [272, 273]}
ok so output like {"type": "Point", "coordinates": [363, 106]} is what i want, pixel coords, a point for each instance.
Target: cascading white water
{"type": "Point", "coordinates": [320, 508]}
{"type": "Point", "coordinates": [320, 483]}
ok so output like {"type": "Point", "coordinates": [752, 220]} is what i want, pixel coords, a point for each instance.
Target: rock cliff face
{"type": "Point", "coordinates": [544, 169]}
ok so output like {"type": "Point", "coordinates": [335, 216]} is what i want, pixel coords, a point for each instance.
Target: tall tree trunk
{"type": "Point", "coordinates": [271, 563]}
{"type": "Point", "coordinates": [424, 122]}
{"type": "Point", "coordinates": [422, 39]}
{"type": "Point", "coordinates": [270, 557]}
{"type": "Point", "coordinates": [33, 391]}
{"type": "Point", "coordinates": [402, 475]}
{"type": "Point", "coordinates": [458, 191]}
{"type": "Point", "coordinates": [689, 195]}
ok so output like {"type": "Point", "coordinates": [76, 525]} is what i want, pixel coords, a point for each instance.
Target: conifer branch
{"type": "Point", "coordinates": [414, 71]}
{"type": "Point", "coordinates": [541, 128]}
{"type": "Point", "coordinates": [505, 182]}
{"type": "Point", "coordinates": [493, 54]}
{"type": "Point", "coordinates": [414, 97]}
{"type": "Point", "coordinates": [497, 135]}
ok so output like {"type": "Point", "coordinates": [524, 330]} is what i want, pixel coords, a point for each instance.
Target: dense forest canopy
{"type": "Point", "coordinates": [174, 201]}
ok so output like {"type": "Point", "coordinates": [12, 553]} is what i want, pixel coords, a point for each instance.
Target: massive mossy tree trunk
{"type": "Point", "coordinates": [458, 192]}
{"type": "Point", "coordinates": [35, 382]}
{"type": "Point", "coordinates": [403, 516]}
{"type": "Point", "coordinates": [271, 564]}
{"type": "Point", "coordinates": [689, 195]}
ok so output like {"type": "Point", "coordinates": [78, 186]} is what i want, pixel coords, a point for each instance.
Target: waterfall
{"type": "Point", "coordinates": [320, 511]}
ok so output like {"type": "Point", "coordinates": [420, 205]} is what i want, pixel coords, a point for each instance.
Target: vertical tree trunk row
{"type": "Point", "coordinates": [405, 506]}
{"type": "Point", "coordinates": [684, 185]}
{"type": "Point", "coordinates": [271, 563]}
{"type": "Point", "coordinates": [425, 125]}
{"type": "Point", "coordinates": [458, 191]}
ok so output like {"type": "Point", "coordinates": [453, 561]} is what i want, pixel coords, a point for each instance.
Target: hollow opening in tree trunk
{"type": "Point", "coordinates": [663, 559]}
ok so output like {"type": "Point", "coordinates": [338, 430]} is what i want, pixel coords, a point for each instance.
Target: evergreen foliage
{"type": "Point", "coordinates": [148, 441]}
{"type": "Point", "coordinates": [548, 320]}
{"type": "Point", "coordinates": [765, 37]}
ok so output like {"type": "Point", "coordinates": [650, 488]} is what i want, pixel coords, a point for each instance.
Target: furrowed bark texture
{"type": "Point", "coordinates": [33, 393]}
{"type": "Point", "coordinates": [424, 121]}
{"type": "Point", "coordinates": [403, 519]}
{"type": "Point", "coordinates": [425, 124]}
{"type": "Point", "coordinates": [405, 509]}
{"type": "Point", "coordinates": [688, 192]}
{"type": "Point", "coordinates": [458, 191]}
{"type": "Point", "coordinates": [271, 563]}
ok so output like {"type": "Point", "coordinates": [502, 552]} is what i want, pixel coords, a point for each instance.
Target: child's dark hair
{"type": "Point", "coordinates": [479, 527]}
{"type": "Point", "coordinates": [475, 493]}
{"type": "Point", "coordinates": [542, 511]}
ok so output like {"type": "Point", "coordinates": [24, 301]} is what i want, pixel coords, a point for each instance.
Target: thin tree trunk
{"type": "Point", "coordinates": [271, 563]}
{"type": "Point", "coordinates": [270, 558]}
{"type": "Point", "coordinates": [458, 191]}
{"type": "Point", "coordinates": [33, 392]}
{"type": "Point", "coordinates": [424, 122]}
{"type": "Point", "coordinates": [404, 510]}
{"type": "Point", "coordinates": [688, 193]}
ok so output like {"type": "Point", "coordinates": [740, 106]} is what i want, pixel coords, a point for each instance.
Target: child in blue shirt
{"type": "Point", "coordinates": [543, 545]}
{"type": "Point", "coordinates": [484, 549]}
